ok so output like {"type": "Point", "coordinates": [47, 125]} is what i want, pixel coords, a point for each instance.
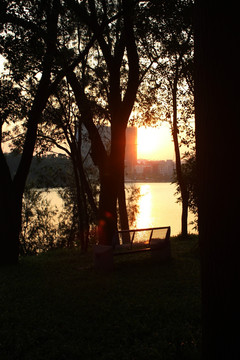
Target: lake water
{"type": "Point", "coordinates": [157, 206]}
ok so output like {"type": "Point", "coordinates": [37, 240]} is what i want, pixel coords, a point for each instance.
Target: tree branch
{"type": "Point", "coordinates": [133, 59]}
{"type": "Point", "coordinates": [98, 153]}
{"type": "Point", "coordinates": [54, 142]}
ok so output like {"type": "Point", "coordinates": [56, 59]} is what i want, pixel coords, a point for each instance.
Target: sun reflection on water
{"type": "Point", "coordinates": [144, 217]}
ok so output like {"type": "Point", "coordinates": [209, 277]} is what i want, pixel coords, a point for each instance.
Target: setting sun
{"type": "Point", "coordinates": [154, 143]}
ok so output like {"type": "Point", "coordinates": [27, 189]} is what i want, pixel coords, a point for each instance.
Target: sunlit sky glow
{"type": "Point", "coordinates": [155, 143]}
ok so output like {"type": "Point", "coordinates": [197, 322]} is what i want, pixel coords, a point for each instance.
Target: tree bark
{"type": "Point", "coordinates": [217, 120]}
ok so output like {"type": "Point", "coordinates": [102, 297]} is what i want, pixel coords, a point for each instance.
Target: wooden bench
{"type": "Point", "coordinates": [155, 239]}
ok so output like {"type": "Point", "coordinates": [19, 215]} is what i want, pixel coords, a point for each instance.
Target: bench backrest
{"type": "Point", "coordinates": [142, 235]}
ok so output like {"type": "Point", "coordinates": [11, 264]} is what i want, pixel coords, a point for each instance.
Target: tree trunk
{"type": "Point", "coordinates": [217, 134]}
{"type": "Point", "coordinates": [182, 184]}
{"type": "Point", "coordinates": [10, 224]}
{"type": "Point", "coordinates": [112, 186]}
{"type": "Point", "coordinates": [123, 215]}
{"type": "Point", "coordinates": [118, 155]}
{"type": "Point", "coordinates": [8, 240]}
{"type": "Point", "coordinates": [184, 219]}
{"type": "Point", "coordinates": [83, 219]}
{"type": "Point", "coordinates": [82, 189]}
{"type": "Point", "coordinates": [107, 224]}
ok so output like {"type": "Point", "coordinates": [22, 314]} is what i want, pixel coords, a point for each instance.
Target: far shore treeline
{"type": "Point", "coordinates": [47, 171]}
{"type": "Point", "coordinates": [55, 170]}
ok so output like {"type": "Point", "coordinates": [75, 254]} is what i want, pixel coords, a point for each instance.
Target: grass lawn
{"type": "Point", "coordinates": [55, 306]}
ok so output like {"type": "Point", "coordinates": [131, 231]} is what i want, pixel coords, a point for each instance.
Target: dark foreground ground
{"type": "Point", "coordinates": [55, 306]}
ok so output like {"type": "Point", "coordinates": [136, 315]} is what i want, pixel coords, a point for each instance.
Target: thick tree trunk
{"type": "Point", "coordinates": [8, 230]}
{"type": "Point", "coordinates": [217, 120]}
{"type": "Point", "coordinates": [112, 183]}
{"type": "Point", "coordinates": [107, 224]}
{"type": "Point", "coordinates": [118, 158]}
{"type": "Point", "coordinates": [10, 224]}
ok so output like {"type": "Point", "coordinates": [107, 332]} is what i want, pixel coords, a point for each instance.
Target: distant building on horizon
{"type": "Point", "coordinates": [153, 170]}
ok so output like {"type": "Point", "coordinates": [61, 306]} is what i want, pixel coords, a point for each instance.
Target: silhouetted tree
{"type": "Point", "coordinates": [33, 45]}
{"type": "Point", "coordinates": [168, 92]}
{"type": "Point", "coordinates": [12, 189]}
{"type": "Point", "coordinates": [217, 122]}
{"type": "Point", "coordinates": [116, 46]}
